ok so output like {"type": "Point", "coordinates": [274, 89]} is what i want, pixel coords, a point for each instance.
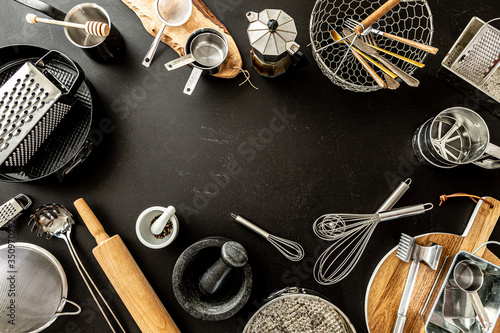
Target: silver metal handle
{"type": "Point", "coordinates": [395, 196]}
{"type": "Point", "coordinates": [490, 163]}
{"type": "Point", "coordinates": [193, 80]}
{"type": "Point", "coordinates": [244, 222]}
{"type": "Point", "coordinates": [78, 309]}
{"type": "Point", "coordinates": [479, 308]}
{"type": "Point", "coordinates": [405, 212]}
{"type": "Point", "coordinates": [406, 297]}
{"type": "Point", "coordinates": [410, 80]}
{"type": "Point", "coordinates": [152, 49]}
{"type": "Point", "coordinates": [179, 62]}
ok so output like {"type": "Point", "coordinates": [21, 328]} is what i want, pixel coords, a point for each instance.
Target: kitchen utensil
{"type": "Point", "coordinates": [409, 250]}
{"type": "Point", "coordinates": [291, 250]}
{"type": "Point", "coordinates": [481, 57]}
{"type": "Point", "coordinates": [272, 34]}
{"type": "Point", "coordinates": [388, 279]}
{"type": "Point", "coordinates": [192, 265]}
{"type": "Point", "coordinates": [90, 27]}
{"type": "Point", "coordinates": [412, 19]}
{"type": "Point", "coordinates": [456, 309]}
{"type": "Point", "coordinates": [198, 68]}
{"type": "Point", "coordinates": [158, 226]}
{"type": "Point", "coordinates": [407, 78]}
{"type": "Point", "coordinates": [355, 26]}
{"type": "Point", "coordinates": [328, 271]}
{"type": "Point", "coordinates": [294, 309]}
{"type": "Point", "coordinates": [13, 208]}
{"type": "Point", "coordinates": [468, 277]}
{"type": "Point", "coordinates": [335, 226]}
{"type": "Point", "coordinates": [69, 143]}
{"type": "Point", "coordinates": [102, 49]}
{"type": "Point", "coordinates": [464, 311]}
{"type": "Point", "coordinates": [143, 228]}
{"type": "Point", "coordinates": [336, 37]}
{"type": "Point", "coordinates": [40, 289]}
{"type": "Point", "coordinates": [207, 50]}
{"type": "Point", "coordinates": [358, 55]}
{"type": "Point", "coordinates": [171, 13]}
{"type": "Point", "coordinates": [486, 95]}
{"type": "Point", "coordinates": [454, 137]}
{"type": "Point", "coordinates": [233, 255]}
{"type": "Point", "coordinates": [126, 277]}
{"type": "Point", "coordinates": [57, 221]}
{"type": "Point", "coordinates": [391, 82]}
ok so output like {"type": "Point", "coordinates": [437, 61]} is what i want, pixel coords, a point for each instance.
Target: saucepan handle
{"type": "Point", "coordinates": [491, 159]}
{"type": "Point", "coordinates": [44, 8]}
{"type": "Point", "coordinates": [74, 313]}
{"type": "Point", "coordinates": [179, 62]}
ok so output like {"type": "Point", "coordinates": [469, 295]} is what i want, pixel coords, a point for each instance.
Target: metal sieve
{"type": "Point", "coordinates": [411, 19]}
{"type": "Point", "coordinates": [298, 310]}
{"type": "Point", "coordinates": [34, 288]}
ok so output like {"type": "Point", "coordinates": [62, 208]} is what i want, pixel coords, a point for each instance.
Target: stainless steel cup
{"type": "Point", "coordinates": [99, 48]}
{"type": "Point", "coordinates": [454, 137]}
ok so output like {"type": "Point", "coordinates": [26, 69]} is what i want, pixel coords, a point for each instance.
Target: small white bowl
{"type": "Point", "coordinates": [143, 228]}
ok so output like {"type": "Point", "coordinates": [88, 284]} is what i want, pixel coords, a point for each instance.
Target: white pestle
{"type": "Point", "coordinates": [158, 225]}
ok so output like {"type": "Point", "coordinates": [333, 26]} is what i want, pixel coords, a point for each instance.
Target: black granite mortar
{"type": "Point", "coordinates": [190, 267]}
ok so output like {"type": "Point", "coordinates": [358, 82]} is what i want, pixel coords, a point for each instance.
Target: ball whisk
{"type": "Point", "coordinates": [290, 249]}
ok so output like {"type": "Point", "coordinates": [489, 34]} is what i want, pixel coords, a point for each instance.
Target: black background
{"type": "Point", "coordinates": [338, 154]}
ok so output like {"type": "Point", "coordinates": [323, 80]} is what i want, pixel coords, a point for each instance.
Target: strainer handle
{"type": "Point", "coordinates": [491, 158]}
{"type": "Point", "coordinates": [79, 309]}
{"type": "Point", "coordinates": [375, 16]}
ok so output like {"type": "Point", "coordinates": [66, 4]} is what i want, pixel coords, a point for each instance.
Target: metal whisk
{"type": "Point", "coordinates": [292, 250]}
{"type": "Point", "coordinates": [351, 239]}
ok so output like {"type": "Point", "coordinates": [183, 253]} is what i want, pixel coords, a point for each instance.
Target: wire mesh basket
{"type": "Point", "coordinates": [411, 19]}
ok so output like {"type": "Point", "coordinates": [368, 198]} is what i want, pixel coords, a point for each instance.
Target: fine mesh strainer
{"type": "Point", "coordinates": [298, 310]}
{"type": "Point", "coordinates": [411, 19]}
{"type": "Point", "coordinates": [34, 288]}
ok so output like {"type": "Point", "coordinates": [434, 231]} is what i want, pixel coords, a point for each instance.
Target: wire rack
{"type": "Point", "coordinates": [411, 19]}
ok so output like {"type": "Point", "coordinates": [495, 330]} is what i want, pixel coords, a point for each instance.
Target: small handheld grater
{"type": "Point", "coordinates": [13, 208]}
{"type": "Point", "coordinates": [25, 101]}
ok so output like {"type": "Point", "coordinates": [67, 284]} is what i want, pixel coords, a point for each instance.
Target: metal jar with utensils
{"type": "Point", "coordinates": [471, 65]}
{"type": "Point", "coordinates": [206, 49]}
{"type": "Point", "coordinates": [59, 140]}
{"type": "Point", "coordinates": [40, 289]}
{"type": "Point", "coordinates": [295, 309]}
{"type": "Point", "coordinates": [272, 36]}
{"type": "Point", "coordinates": [453, 310]}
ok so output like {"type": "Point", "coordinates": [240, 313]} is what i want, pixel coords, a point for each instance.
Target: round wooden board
{"type": "Point", "coordinates": [388, 280]}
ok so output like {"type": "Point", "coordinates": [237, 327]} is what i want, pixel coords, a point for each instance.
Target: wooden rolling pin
{"type": "Point", "coordinates": [126, 277]}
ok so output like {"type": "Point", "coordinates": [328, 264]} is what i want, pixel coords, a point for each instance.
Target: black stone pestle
{"type": "Point", "coordinates": [233, 255]}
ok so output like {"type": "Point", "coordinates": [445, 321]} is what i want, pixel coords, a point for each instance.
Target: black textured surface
{"type": "Point", "coordinates": [281, 156]}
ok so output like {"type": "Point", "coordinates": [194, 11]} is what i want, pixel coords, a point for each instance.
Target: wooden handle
{"type": "Point", "coordinates": [381, 11]}
{"type": "Point", "coordinates": [133, 287]}
{"type": "Point", "coordinates": [370, 70]}
{"type": "Point", "coordinates": [95, 227]}
{"type": "Point", "coordinates": [418, 45]}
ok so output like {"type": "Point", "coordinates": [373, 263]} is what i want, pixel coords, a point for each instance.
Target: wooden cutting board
{"type": "Point", "coordinates": [388, 280]}
{"type": "Point", "coordinates": [175, 37]}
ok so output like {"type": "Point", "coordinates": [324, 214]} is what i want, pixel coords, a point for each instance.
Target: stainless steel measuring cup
{"type": "Point", "coordinates": [208, 63]}
{"type": "Point", "coordinates": [468, 277]}
{"type": "Point", "coordinates": [454, 137]}
{"type": "Point", "coordinates": [172, 13]}
{"type": "Point", "coordinates": [207, 49]}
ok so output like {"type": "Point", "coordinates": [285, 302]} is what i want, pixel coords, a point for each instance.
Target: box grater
{"type": "Point", "coordinates": [30, 111]}
{"type": "Point", "coordinates": [481, 57]}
